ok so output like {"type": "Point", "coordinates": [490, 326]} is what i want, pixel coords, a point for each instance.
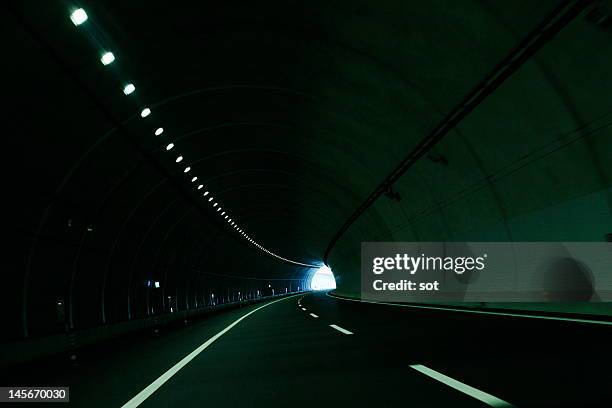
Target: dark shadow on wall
{"type": "Point", "coordinates": [566, 279]}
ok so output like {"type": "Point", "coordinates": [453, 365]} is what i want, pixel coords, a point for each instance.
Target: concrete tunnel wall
{"type": "Point", "coordinates": [530, 164]}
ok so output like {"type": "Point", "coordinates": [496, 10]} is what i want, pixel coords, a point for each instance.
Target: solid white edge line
{"type": "Point", "coordinates": [464, 388]}
{"type": "Point", "coordinates": [340, 329]}
{"type": "Point", "coordinates": [154, 386]}
{"type": "Point", "coordinates": [314, 315]}
{"type": "Point", "coordinates": [450, 309]}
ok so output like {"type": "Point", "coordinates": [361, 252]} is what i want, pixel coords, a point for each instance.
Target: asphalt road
{"type": "Point", "coordinates": [282, 355]}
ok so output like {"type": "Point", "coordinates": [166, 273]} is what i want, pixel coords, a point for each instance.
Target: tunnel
{"type": "Point", "coordinates": [197, 192]}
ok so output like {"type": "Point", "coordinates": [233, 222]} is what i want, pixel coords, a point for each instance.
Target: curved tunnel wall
{"type": "Point", "coordinates": [530, 164]}
{"type": "Point", "coordinates": [291, 117]}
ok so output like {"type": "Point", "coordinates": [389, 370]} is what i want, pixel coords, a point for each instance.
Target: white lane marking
{"type": "Point", "coordinates": [154, 386]}
{"type": "Point", "coordinates": [314, 315]}
{"type": "Point", "coordinates": [304, 309]}
{"type": "Point", "coordinates": [340, 329]}
{"type": "Point", "coordinates": [464, 388]}
{"type": "Point", "coordinates": [450, 309]}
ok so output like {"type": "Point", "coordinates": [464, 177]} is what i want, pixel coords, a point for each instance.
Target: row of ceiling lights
{"type": "Point", "coordinates": [78, 17]}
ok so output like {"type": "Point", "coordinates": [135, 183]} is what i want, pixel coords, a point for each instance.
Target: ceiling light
{"type": "Point", "coordinates": [205, 193]}
{"type": "Point", "coordinates": [128, 89]}
{"type": "Point", "coordinates": [145, 112]}
{"type": "Point", "coordinates": [179, 159]}
{"type": "Point", "coordinates": [187, 169]}
{"type": "Point", "coordinates": [107, 58]}
{"type": "Point", "coordinates": [159, 131]}
{"type": "Point", "coordinates": [218, 209]}
{"type": "Point", "coordinates": [210, 199]}
{"type": "Point", "coordinates": [78, 17]}
{"type": "Point", "coordinates": [170, 146]}
{"type": "Point", "coordinates": [200, 186]}
{"type": "Point", "coordinates": [194, 178]}
{"type": "Point", "coordinates": [223, 213]}
{"type": "Point", "coordinates": [214, 204]}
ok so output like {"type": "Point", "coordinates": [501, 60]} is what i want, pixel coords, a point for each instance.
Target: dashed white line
{"type": "Point", "coordinates": [488, 399]}
{"type": "Point", "coordinates": [314, 315]}
{"type": "Point", "coordinates": [304, 309]}
{"type": "Point", "coordinates": [340, 329]}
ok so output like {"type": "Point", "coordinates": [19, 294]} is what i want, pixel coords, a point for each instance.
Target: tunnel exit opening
{"type": "Point", "coordinates": [323, 279]}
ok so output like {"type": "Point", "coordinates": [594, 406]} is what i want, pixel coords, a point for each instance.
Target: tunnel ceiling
{"type": "Point", "coordinates": [290, 114]}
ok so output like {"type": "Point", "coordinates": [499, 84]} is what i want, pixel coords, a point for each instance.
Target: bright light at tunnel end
{"type": "Point", "coordinates": [323, 279]}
